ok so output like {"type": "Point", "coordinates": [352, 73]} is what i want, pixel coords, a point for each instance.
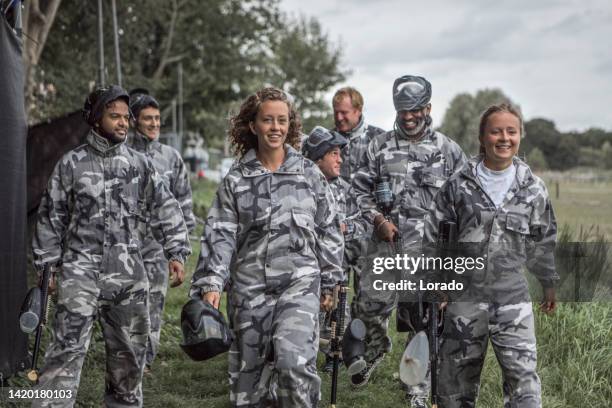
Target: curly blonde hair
{"type": "Point", "coordinates": [242, 139]}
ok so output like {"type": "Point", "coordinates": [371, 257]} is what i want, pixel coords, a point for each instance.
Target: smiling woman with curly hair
{"type": "Point", "coordinates": [241, 135]}
{"type": "Point", "coordinates": [272, 238]}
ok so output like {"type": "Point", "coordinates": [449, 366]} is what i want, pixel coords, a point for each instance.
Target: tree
{"type": "Point", "coordinates": [536, 160]}
{"type": "Point", "coordinates": [38, 17]}
{"type": "Point", "coordinates": [462, 117]}
{"type": "Point", "coordinates": [228, 49]}
{"type": "Point", "coordinates": [560, 150]}
{"type": "Point", "coordinates": [306, 65]}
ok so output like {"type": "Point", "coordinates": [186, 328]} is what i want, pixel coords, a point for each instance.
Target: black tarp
{"type": "Point", "coordinates": [13, 279]}
{"type": "Point", "coordinates": [47, 143]}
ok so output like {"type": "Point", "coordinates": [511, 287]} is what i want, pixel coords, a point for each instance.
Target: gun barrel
{"type": "Point", "coordinates": [44, 308]}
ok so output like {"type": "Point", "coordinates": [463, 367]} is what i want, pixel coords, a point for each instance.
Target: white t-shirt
{"type": "Point", "coordinates": [496, 183]}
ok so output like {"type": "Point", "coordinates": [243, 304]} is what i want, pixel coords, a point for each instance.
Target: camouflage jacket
{"type": "Point", "coordinates": [169, 165]}
{"type": "Point", "coordinates": [358, 229]}
{"type": "Point", "coordinates": [415, 170]}
{"type": "Point", "coordinates": [354, 152]}
{"type": "Point", "coordinates": [266, 229]}
{"type": "Point", "coordinates": [521, 232]}
{"type": "Point", "coordinates": [98, 200]}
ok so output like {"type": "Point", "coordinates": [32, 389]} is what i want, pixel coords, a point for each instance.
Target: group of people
{"type": "Point", "coordinates": [293, 218]}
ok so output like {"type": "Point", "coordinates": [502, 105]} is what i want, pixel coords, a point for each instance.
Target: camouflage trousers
{"type": "Point", "coordinates": [468, 329]}
{"type": "Point", "coordinates": [158, 286]}
{"type": "Point", "coordinates": [375, 308]}
{"type": "Point", "coordinates": [272, 360]}
{"type": "Point", "coordinates": [85, 296]}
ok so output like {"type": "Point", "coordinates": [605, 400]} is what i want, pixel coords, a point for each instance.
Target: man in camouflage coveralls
{"type": "Point", "coordinates": [169, 165]}
{"type": "Point", "coordinates": [520, 231]}
{"type": "Point", "coordinates": [91, 220]}
{"type": "Point", "coordinates": [274, 237]}
{"type": "Point", "coordinates": [416, 161]}
{"type": "Point", "coordinates": [324, 148]}
{"type": "Point", "coordinates": [349, 121]}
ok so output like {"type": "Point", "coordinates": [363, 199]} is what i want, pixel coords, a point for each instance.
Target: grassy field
{"type": "Point", "coordinates": [574, 345]}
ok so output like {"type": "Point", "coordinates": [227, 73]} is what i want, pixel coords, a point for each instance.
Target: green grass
{"type": "Point", "coordinates": [574, 345]}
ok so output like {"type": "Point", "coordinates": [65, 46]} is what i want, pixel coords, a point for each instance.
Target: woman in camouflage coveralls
{"type": "Point", "coordinates": [272, 235]}
{"type": "Point", "coordinates": [509, 228]}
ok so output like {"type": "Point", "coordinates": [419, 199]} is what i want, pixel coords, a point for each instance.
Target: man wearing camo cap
{"type": "Point", "coordinates": [415, 160]}
{"type": "Point", "coordinates": [169, 165]}
{"type": "Point", "coordinates": [324, 148]}
{"type": "Point", "coordinates": [91, 220]}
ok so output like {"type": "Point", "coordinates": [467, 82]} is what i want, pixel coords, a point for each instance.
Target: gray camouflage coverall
{"type": "Point", "coordinates": [415, 170]}
{"type": "Point", "coordinates": [520, 232]}
{"type": "Point", "coordinates": [92, 219]}
{"type": "Point", "coordinates": [170, 167]}
{"type": "Point", "coordinates": [355, 151]}
{"type": "Point", "coordinates": [352, 156]}
{"type": "Point", "coordinates": [275, 237]}
{"type": "Point", "coordinates": [357, 230]}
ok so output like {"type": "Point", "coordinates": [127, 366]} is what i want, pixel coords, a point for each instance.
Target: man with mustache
{"type": "Point", "coordinates": [99, 201]}
{"type": "Point", "coordinates": [415, 161]}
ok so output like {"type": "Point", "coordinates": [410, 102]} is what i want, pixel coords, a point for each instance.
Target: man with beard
{"type": "Point", "coordinates": [169, 165]}
{"type": "Point", "coordinates": [415, 160]}
{"type": "Point", "coordinates": [91, 220]}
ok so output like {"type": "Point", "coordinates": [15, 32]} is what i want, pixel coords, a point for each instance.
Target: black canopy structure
{"type": "Point", "coordinates": [13, 129]}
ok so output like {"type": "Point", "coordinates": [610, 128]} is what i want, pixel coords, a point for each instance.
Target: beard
{"type": "Point", "coordinates": [415, 131]}
{"type": "Point", "coordinates": [112, 137]}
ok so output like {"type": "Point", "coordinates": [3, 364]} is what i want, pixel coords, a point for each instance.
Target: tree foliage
{"type": "Point", "coordinates": [543, 145]}
{"type": "Point", "coordinates": [228, 49]}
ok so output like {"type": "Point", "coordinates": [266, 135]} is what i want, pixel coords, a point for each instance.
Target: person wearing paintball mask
{"type": "Point", "coordinates": [169, 165]}
{"type": "Point", "coordinates": [324, 147]}
{"type": "Point", "coordinates": [91, 220]}
{"type": "Point", "coordinates": [415, 161]}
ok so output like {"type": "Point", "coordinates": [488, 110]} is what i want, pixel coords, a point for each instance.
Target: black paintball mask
{"type": "Point", "coordinates": [320, 141]}
{"type": "Point", "coordinates": [140, 100]}
{"type": "Point", "coordinates": [411, 93]}
{"type": "Point", "coordinates": [96, 102]}
{"type": "Point", "coordinates": [205, 332]}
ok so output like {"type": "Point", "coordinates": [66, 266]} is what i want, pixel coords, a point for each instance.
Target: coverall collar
{"type": "Point", "coordinates": [141, 141]}
{"type": "Point", "coordinates": [102, 145]}
{"type": "Point", "coordinates": [252, 167]}
{"type": "Point", "coordinates": [524, 176]}
{"type": "Point", "coordinates": [357, 131]}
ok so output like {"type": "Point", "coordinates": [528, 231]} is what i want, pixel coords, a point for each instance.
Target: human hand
{"type": "Point", "coordinates": [214, 298]}
{"type": "Point", "coordinates": [550, 301]}
{"type": "Point", "coordinates": [386, 231]}
{"type": "Point", "coordinates": [327, 302]}
{"type": "Point", "coordinates": [177, 273]}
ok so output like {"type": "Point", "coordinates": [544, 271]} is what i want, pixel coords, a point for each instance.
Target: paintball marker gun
{"type": "Point", "coordinates": [33, 316]}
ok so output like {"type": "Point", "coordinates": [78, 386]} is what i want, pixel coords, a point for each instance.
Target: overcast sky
{"type": "Point", "coordinates": [552, 57]}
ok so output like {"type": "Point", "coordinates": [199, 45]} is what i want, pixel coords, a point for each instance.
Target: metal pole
{"type": "Point", "coordinates": [100, 45]}
{"type": "Point", "coordinates": [116, 35]}
{"type": "Point", "coordinates": [18, 21]}
{"type": "Point", "coordinates": [180, 101]}
{"type": "Point", "coordinates": [174, 116]}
